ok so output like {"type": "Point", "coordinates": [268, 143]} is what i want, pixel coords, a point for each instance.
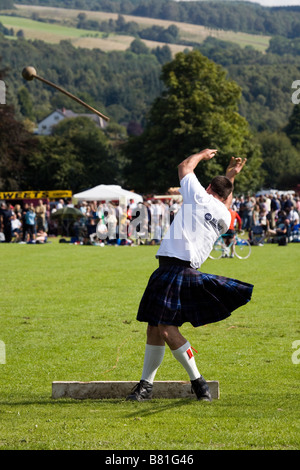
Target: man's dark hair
{"type": "Point", "coordinates": [222, 186]}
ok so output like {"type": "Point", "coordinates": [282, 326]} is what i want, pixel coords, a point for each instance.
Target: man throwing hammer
{"type": "Point", "coordinates": [177, 292]}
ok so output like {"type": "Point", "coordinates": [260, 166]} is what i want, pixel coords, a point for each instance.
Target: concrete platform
{"type": "Point", "coordinates": [108, 389]}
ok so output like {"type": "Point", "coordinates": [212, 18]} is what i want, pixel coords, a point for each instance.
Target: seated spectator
{"type": "Point", "coordinates": [41, 237]}
{"type": "Point", "coordinates": [282, 231]}
{"type": "Point", "coordinates": [295, 233]}
{"type": "Point", "coordinates": [258, 232]}
{"type": "Point", "coordinates": [293, 216]}
{"type": "Point", "coordinates": [16, 227]}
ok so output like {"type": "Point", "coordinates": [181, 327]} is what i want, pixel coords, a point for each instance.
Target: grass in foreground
{"type": "Point", "coordinates": [68, 313]}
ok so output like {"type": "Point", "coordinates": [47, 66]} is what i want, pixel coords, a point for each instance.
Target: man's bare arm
{"type": "Point", "coordinates": [189, 164]}
{"type": "Point", "coordinates": [235, 167]}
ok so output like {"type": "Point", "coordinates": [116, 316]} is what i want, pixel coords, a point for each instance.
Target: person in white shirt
{"type": "Point", "coordinates": [176, 292]}
{"type": "Point", "coordinates": [16, 226]}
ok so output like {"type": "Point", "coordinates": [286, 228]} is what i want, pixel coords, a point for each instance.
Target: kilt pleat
{"type": "Point", "coordinates": [176, 294]}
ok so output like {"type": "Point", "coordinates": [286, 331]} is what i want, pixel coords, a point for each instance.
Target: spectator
{"type": "Point", "coordinates": [5, 221]}
{"type": "Point", "coordinates": [40, 211]}
{"type": "Point", "coordinates": [47, 216]}
{"type": "Point", "coordinates": [18, 211]}
{"type": "Point", "coordinates": [255, 215]}
{"type": "Point", "coordinates": [16, 227]}
{"type": "Point", "coordinates": [111, 222]}
{"type": "Point", "coordinates": [156, 220]}
{"type": "Point", "coordinates": [30, 219]}
{"type": "Point", "coordinates": [263, 220]}
{"type": "Point", "coordinates": [132, 205]}
{"type": "Point", "coordinates": [282, 231]}
{"type": "Point", "coordinates": [275, 207]}
{"type": "Point", "coordinates": [247, 213]}
{"type": "Point", "coordinates": [24, 224]}
{"type": "Point", "coordinates": [82, 207]}
{"type": "Point", "coordinates": [288, 203]}
{"type": "Point", "coordinates": [70, 203]}
{"type": "Point", "coordinates": [293, 216]}
{"type": "Point", "coordinates": [60, 204]}
{"type": "Point", "coordinates": [41, 236]}
{"type": "Point", "coordinates": [153, 218]}
{"type": "Point", "coordinates": [229, 235]}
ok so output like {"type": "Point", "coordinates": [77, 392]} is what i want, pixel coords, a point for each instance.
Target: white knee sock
{"type": "Point", "coordinates": [152, 360]}
{"type": "Point", "coordinates": [185, 356]}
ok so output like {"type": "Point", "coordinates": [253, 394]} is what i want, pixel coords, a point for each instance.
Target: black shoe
{"type": "Point", "coordinates": [142, 391]}
{"type": "Point", "coordinates": [201, 389]}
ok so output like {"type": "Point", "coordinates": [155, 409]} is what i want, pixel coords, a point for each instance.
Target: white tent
{"type": "Point", "coordinates": [107, 192]}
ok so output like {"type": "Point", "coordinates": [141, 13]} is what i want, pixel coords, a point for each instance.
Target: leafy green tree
{"type": "Point", "coordinates": [25, 103]}
{"type": "Point", "coordinates": [281, 160]}
{"type": "Point", "coordinates": [77, 156]}
{"type": "Point", "coordinates": [163, 54]}
{"type": "Point", "coordinates": [292, 129]}
{"type": "Point", "coordinates": [198, 109]}
{"type": "Point", "coordinates": [16, 146]}
{"type": "Point", "coordinates": [7, 5]}
{"type": "Point", "coordinates": [138, 47]}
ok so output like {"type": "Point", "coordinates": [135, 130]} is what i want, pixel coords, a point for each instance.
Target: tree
{"type": "Point", "coordinates": [16, 146]}
{"type": "Point", "coordinates": [198, 109]}
{"type": "Point", "coordinates": [292, 129]}
{"type": "Point", "coordinates": [281, 161]}
{"type": "Point", "coordinates": [24, 100]}
{"type": "Point", "coordinates": [7, 5]}
{"type": "Point", "coordinates": [138, 47]}
{"type": "Point", "coordinates": [77, 156]}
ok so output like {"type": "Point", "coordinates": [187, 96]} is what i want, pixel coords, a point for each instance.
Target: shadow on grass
{"type": "Point", "coordinates": [135, 408]}
{"type": "Point", "coordinates": [158, 406]}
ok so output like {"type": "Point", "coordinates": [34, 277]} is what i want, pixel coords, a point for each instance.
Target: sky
{"type": "Point", "coordinates": [276, 3]}
{"type": "Point", "coordinates": [273, 3]}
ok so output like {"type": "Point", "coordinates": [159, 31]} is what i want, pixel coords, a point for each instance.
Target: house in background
{"type": "Point", "coordinates": [45, 125]}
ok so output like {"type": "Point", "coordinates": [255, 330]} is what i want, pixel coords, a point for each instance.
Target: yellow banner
{"type": "Point", "coordinates": [56, 194]}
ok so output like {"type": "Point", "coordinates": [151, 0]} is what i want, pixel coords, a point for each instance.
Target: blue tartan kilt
{"type": "Point", "coordinates": [178, 294]}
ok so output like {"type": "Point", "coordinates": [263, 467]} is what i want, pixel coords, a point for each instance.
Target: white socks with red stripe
{"type": "Point", "coordinates": [152, 360]}
{"type": "Point", "coordinates": [155, 354]}
{"type": "Point", "coordinates": [185, 356]}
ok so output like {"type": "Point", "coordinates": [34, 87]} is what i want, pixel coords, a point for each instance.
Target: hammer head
{"type": "Point", "coordinates": [29, 73]}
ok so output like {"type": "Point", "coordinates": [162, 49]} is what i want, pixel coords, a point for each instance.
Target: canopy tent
{"type": "Point", "coordinates": [107, 192]}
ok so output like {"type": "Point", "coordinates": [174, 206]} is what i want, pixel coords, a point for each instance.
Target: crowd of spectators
{"type": "Point", "coordinates": [27, 224]}
{"type": "Point", "coordinates": [270, 217]}
{"type": "Point", "coordinates": [266, 218]}
{"type": "Point", "coordinates": [100, 223]}
{"type": "Point", "coordinates": [137, 223]}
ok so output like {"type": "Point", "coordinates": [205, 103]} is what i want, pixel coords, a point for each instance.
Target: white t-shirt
{"type": "Point", "coordinates": [200, 221]}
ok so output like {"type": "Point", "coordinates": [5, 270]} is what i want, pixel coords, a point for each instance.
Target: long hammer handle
{"type": "Point", "coordinates": [75, 98]}
{"type": "Point", "coordinates": [29, 73]}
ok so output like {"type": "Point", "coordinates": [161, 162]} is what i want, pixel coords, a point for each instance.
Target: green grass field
{"type": "Point", "coordinates": [66, 20]}
{"type": "Point", "coordinates": [37, 28]}
{"type": "Point", "coordinates": [68, 313]}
